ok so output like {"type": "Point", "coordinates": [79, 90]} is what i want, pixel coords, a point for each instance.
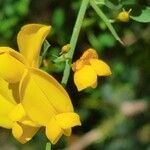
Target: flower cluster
{"type": "Point", "coordinates": [29, 97]}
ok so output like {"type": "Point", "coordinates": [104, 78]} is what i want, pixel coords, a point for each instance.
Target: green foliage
{"type": "Point", "coordinates": [11, 14]}
{"type": "Point", "coordinates": [143, 16]}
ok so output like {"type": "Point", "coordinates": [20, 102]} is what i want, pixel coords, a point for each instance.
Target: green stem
{"type": "Point", "coordinates": [73, 40]}
{"type": "Point", "coordinates": [105, 19]}
{"type": "Point", "coordinates": [48, 146]}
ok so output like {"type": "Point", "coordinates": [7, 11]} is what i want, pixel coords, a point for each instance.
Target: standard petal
{"type": "Point", "coordinates": [85, 77]}
{"type": "Point", "coordinates": [30, 39]}
{"type": "Point", "coordinates": [23, 133]}
{"type": "Point", "coordinates": [100, 67]}
{"type": "Point", "coordinates": [5, 108]}
{"type": "Point", "coordinates": [68, 120]}
{"type": "Point", "coordinates": [53, 131]}
{"type": "Point", "coordinates": [11, 65]}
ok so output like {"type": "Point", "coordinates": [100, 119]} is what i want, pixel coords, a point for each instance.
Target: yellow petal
{"type": "Point", "coordinates": [5, 107]}
{"type": "Point", "coordinates": [42, 93]}
{"type": "Point", "coordinates": [28, 122]}
{"type": "Point", "coordinates": [85, 77]}
{"type": "Point", "coordinates": [6, 91]}
{"type": "Point", "coordinates": [5, 122]}
{"type": "Point", "coordinates": [78, 65]}
{"type": "Point", "coordinates": [30, 39]}
{"type": "Point", "coordinates": [100, 67]}
{"type": "Point", "coordinates": [11, 67]}
{"type": "Point", "coordinates": [68, 120]}
{"type": "Point", "coordinates": [35, 101]}
{"type": "Point", "coordinates": [17, 130]}
{"type": "Point", "coordinates": [23, 133]}
{"type": "Point", "coordinates": [89, 54]}
{"type": "Point", "coordinates": [53, 131]}
{"type": "Point", "coordinates": [67, 132]}
{"type": "Point", "coordinates": [14, 91]}
{"type": "Point", "coordinates": [94, 85]}
{"type": "Point", "coordinates": [17, 113]}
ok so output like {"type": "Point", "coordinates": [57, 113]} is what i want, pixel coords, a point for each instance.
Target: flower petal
{"type": "Point", "coordinates": [17, 113]}
{"type": "Point", "coordinates": [5, 122]}
{"type": "Point", "coordinates": [11, 65]}
{"type": "Point", "coordinates": [17, 130]}
{"type": "Point", "coordinates": [23, 133]}
{"type": "Point", "coordinates": [67, 132]}
{"type": "Point", "coordinates": [53, 131]}
{"type": "Point", "coordinates": [100, 67]}
{"type": "Point", "coordinates": [30, 39]}
{"type": "Point", "coordinates": [85, 77]}
{"type": "Point", "coordinates": [6, 91]}
{"type": "Point", "coordinates": [89, 54]}
{"type": "Point", "coordinates": [35, 101]}
{"type": "Point", "coordinates": [68, 120]}
{"type": "Point", "coordinates": [50, 97]}
{"type": "Point", "coordinates": [5, 107]}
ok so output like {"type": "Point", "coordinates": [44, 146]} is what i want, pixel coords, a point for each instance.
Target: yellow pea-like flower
{"type": "Point", "coordinates": [12, 66]}
{"type": "Point", "coordinates": [50, 107]}
{"type": "Point", "coordinates": [87, 68]}
{"type": "Point", "coordinates": [42, 101]}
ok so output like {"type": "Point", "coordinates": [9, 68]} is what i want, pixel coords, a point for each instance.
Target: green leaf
{"type": "Point", "coordinates": [45, 48]}
{"type": "Point", "coordinates": [143, 16]}
{"type": "Point", "coordinates": [48, 146]}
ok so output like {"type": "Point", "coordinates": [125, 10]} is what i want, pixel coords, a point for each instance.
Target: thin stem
{"type": "Point", "coordinates": [48, 146]}
{"type": "Point", "coordinates": [105, 19]}
{"type": "Point", "coordinates": [73, 40]}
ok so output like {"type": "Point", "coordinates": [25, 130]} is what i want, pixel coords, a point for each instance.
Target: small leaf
{"type": "Point", "coordinates": [45, 48]}
{"type": "Point", "coordinates": [144, 16]}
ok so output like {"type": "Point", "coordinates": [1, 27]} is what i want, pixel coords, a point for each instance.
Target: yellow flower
{"type": "Point", "coordinates": [12, 113]}
{"type": "Point", "coordinates": [42, 98]}
{"type": "Point", "coordinates": [87, 68]}
{"type": "Point", "coordinates": [50, 106]}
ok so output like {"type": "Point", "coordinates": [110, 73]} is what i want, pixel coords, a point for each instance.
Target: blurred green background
{"type": "Point", "coordinates": [115, 115]}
